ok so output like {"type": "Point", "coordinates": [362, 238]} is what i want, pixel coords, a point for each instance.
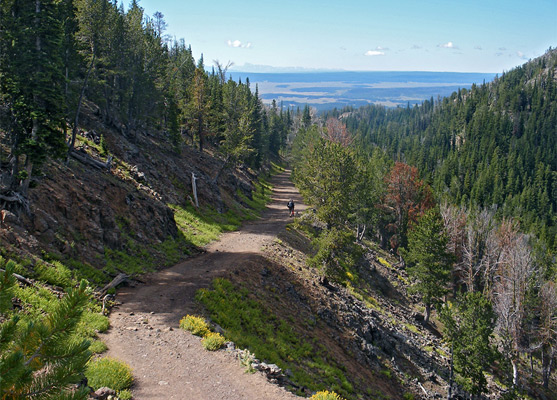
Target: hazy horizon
{"type": "Point", "coordinates": [326, 90]}
{"type": "Point", "coordinates": [363, 35]}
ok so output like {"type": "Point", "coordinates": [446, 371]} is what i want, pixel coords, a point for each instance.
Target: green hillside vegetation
{"type": "Point", "coordinates": [451, 187]}
{"type": "Point", "coordinates": [493, 146]}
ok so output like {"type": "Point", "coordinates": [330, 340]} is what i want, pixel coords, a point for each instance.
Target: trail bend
{"type": "Point", "coordinates": [169, 363]}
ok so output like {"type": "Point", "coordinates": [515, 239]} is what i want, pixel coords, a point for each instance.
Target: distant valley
{"type": "Point", "coordinates": [326, 90]}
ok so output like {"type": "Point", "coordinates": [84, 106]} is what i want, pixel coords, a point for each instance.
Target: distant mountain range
{"type": "Point", "coordinates": [326, 90]}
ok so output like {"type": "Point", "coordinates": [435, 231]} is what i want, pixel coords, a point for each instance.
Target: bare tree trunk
{"type": "Point", "coordinates": [547, 361]}
{"type": "Point", "coordinates": [194, 188]}
{"type": "Point", "coordinates": [76, 119]}
{"type": "Point", "coordinates": [514, 363]}
{"type": "Point", "coordinates": [427, 312]}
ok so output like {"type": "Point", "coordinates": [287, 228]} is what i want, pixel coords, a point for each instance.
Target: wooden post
{"type": "Point", "coordinates": [194, 186]}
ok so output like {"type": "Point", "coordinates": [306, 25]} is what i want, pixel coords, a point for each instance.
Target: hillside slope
{"type": "Point", "coordinates": [103, 222]}
{"type": "Point", "coordinates": [491, 146]}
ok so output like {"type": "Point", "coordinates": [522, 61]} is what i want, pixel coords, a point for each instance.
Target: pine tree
{"type": "Point", "coordinates": [306, 117]}
{"type": "Point", "coordinates": [468, 328]}
{"type": "Point", "coordinates": [429, 263]}
{"type": "Point", "coordinates": [41, 358]}
{"type": "Point", "coordinates": [32, 83]}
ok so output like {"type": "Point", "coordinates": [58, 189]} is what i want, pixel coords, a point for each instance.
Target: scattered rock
{"type": "Point", "coordinates": [103, 393]}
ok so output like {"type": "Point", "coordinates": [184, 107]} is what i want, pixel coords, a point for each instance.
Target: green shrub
{"type": "Point", "coordinates": [109, 372]}
{"type": "Point", "coordinates": [195, 325]}
{"type": "Point", "coordinates": [56, 274]}
{"type": "Point", "coordinates": [125, 394]}
{"type": "Point", "coordinates": [326, 395]}
{"type": "Point", "coordinates": [337, 255]}
{"type": "Point", "coordinates": [91, 323]}
{"type": "Point", "coordinates": [213, 341]}
{"type": "Point", "coordinates": [97, 347]}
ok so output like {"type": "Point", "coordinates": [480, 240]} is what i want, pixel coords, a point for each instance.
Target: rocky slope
{"type": "Point", "coordinates": [86, 216]}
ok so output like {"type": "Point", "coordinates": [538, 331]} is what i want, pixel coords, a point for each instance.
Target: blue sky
{"type": "Point", "coordinates": [395, 35]}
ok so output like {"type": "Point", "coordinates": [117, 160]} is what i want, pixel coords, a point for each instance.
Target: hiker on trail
{"type": "Point", "coordinates": [290, 206]}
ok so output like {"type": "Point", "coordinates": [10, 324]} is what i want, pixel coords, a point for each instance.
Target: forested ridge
{"type": "Point", "coordinates": [58, 55]}
{"type": "Point", "coordinates": [493, 146]}
{"type": "Point", "coordinates": [463, 191]}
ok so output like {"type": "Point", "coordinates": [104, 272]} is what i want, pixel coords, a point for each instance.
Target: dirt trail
{"type": "Point", "coordinates": [169, 363]}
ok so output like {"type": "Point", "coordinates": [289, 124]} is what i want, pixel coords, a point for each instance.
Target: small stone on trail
{"type": "Point", "coordinates": [103, 393]}
{"type": "Point", "coordinates": [162, 383]}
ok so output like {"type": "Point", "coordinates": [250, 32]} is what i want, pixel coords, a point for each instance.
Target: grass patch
{"type": "Point", "coordinates": [196, 325]}
{"type": "Point", "coordinates": [201, 228]}
{"type": "Point", "coordinates": [97, 347]}
{"type": "Point", "coordinates": [411, 328]}
{"type": "Point", "coordinates": [125, 394]}
{"type": "Point", "coordinates": [213, 341]}
{"type": "Point", "coordinates": [38, 300]}
{"type": "Point", "coordinates": [109, 372]}
{"type": "Point", "coordinates": [384, 262]}
{"type": "Point", "coordinates": [326, 395]}
{"type": "Point", "coordinates": [252, 326]}
{"type": "Point", "coordinates": [56, 274]}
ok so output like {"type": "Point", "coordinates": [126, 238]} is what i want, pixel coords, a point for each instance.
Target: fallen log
{"type": "Point", "coordinates": [20, 278]}
{"type": "Point", "coordinates": [120, 278]}
{"type": "Point", "coordinates": [88, 160]}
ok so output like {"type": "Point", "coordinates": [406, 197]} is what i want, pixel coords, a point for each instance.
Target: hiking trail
{"type": "Point", "coordinates": [169, 363]}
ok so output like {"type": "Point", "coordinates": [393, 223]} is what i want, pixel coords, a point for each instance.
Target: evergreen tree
{"type": "Point", "coordinates": [32, 84]}
{"type": "Point", "coordinates": [468, 328]}
{"type": "Point", "coordinates": [41, 358]}
{"type": "Point", "coordinates": [429, 263]}
{"type": "Point", "coordinates": [327, 180]}
{"type": "Point", "coordinates": [306, 117]}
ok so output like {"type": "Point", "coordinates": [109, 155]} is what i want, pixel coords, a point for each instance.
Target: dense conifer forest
{"type": "Point", "coordinates": [55, 56]}
{"type": "Point", "coordinates": [493, 146]}
{"type": "Point", "coordinates": [464, 190]}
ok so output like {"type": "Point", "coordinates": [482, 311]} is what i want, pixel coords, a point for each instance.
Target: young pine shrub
{"type": "Point", "coordinates": [213, 341]}
{"type": "Point", "coordinates": [196, 325]}
{"type": "Point", "coordinates": [326, 395]}
{"type": "Point", "coordinates": [109, 372]}
{"type": "Point", "coordinates": [39, 355]}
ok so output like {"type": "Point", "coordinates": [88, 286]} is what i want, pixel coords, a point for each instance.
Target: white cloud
{"type": "Point", "coordinates": [239, 44]}
{"type": "Point", "coordinates": [521, 55]}
{"type": "Point", "coordinates": [448, 45]}
{"type": "Point", "coordinates": [416, 47]}
{"type": "Point", "coordinates": [478, 47]}
{"type": "Point", "coordinates": [379, 48]}
{"type": "Point", "coordinates": [374, 53]}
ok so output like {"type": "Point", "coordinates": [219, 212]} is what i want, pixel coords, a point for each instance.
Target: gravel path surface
{"type": "Point", "coordinates": [169, 363]}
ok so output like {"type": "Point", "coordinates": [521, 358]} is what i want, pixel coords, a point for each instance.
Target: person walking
{"type": "Point", "coordinates": [290, 206]}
